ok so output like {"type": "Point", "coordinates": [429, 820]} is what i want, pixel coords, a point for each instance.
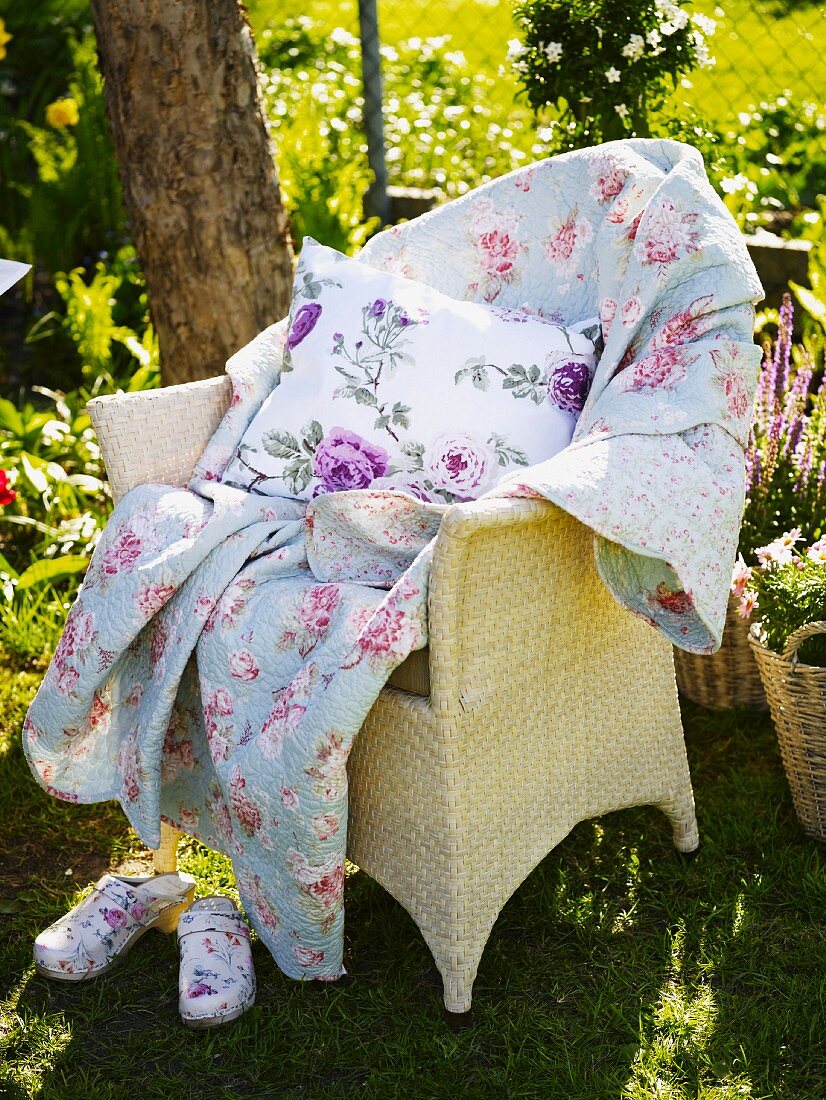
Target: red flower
{"type": "Point", "coordinates": [7, 495]}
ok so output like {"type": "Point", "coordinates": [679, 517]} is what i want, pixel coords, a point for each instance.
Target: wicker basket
{"type": "Point", "coordinates": [728, 678]}
{"type": "Point", "coordinates": [797, 700]}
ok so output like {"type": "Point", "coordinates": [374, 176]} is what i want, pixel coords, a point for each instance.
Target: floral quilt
{"type": "Point", "coordinates": [226, 647]}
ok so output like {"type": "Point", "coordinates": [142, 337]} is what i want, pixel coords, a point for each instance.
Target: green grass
{"type": "Point", "coordinates": [759, 52]}
{"type": "Point", "coordinates": [617, 970]}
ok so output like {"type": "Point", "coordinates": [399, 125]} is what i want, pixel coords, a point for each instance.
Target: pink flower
{"type": "Point", "coordinates": [329, 888]}
{"type": "Point", "coordinates": [203, 607]}
{"type": "Point", "coordinates": [135, 696]}
{"type": "Point", "coordinates": [781, 550]}
{"type": "Point", "coordinates": [748, 602]}
{"type": "Point", "coordinates": [282, 720]}
{"type": "Point", "coordinates": [685, 325]}
{"type": "Point", "coordinates": [668, 234]}
{"type": "Point", "coordinates": [325, 825]}
{"type": "Point", "coordinates": [289, 798]}
{"type": "Point", "coordinates": [307, 956]}
{"type": "Point", "coordinates": [159, 640]}
{"type": "Point", "coordinates": [151, 599]}
{"type": "Point", "coordinates": [122, 555]}
{"type": "Point", "coordinates": [139, 910]}
{"type": "Point", "coordinates": [67, 680]}
{"type": "Point", "coordinates": [817, 552]}
{"type": "Point", "coordinates": [222, 701]}
{"type": "Point", "coordinates": [99, 712]}
{"type": "Point", "coordinates": [246, 811]}
{"type": "Point", "coordinates": [610, 179]}
{"type": "Point", "coordinates": [738, 400]}
{"type": "Point", "coordinates": [659, 369]}
{"type": "Point", "coordinates": [631, 312]}
{"type": "Point", "coordinates": [115, 918]}
{"type": "Point", "coordinates": [318, 606]}
{"type": "Point", "coordinates": [389, 632]}
{"type": "Point", "coordinates": [461, 465]}
{"type": "Point", "coordinates": [676, 601]}
{"type": "Point", "coordinates": [242, 665]}
{"type": "Point", "coordinates": [740, 577]}
{"type": "Point", "coordinates": [499, 253]}
{"type": "Point", "coordinates": [84, 629]}
{"type": "Point", "coordinates": [607, 312]}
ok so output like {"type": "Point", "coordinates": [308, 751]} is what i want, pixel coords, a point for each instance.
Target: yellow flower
{"type": "Point", "coordinates": [4, 38]}
{"type": "Point", "coordinates": [63, 112]}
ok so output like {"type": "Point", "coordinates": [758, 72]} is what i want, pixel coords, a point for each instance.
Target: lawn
{"type": "Point", "coordinates": [759, 52]}
{"type": "Point", "coordinates": [617, 969]}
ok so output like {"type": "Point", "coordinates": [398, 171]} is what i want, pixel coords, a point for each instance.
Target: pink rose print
{"type": "Point", "coordinates": [318, 606]}
{"type": "Point", "coordinates": [569, 387]}
{"type": "Point", "coordinates": [84, 629]}
{"type": "Point", "coordinates": [245, 809]}
{"type": "Point", "coordinates": [222, 701]}
{"type": "Point", "coordinates": [389, 634]}
{"type": "Point", "coordinates": [676, 601]}
{"type": "Point", "coordinates": [325, 825]}
{"type": "Point", "coordinates": [289, 799]}
{"type": "Point", "coordinates": [610, 179]}
{"type": "Point", "coordinates": [667, 236]}
{"type": "Point", "coordinates": [129, 767]}
{"type": "Point", "coordinates": [344, 460]}
{"type": "Point", "coordinates": [159, 640]}
{"type": "Point", "coordinates": [151, 599]}
{"type": "Point", "coordinates": [307, 956]}
{"type": "Point", "coordinates": [662, 369]}
{"type": "Point", "coordinates": [738, 400]}
{"type": "Point", "coordinates": [287, 712]}
{"type": "Point", "coordinates": [461, 465]}
{"type": "Point", "coordinates": [499, 252]}
{"type": "Point", "coordinates": [324, 883]}
{"type": "Point", "coordinates": [99, 712]}
{"type": "Point", "coordinates": [122, 555]}
{"type": "Point", "coordinates": [200, 989]}
{"type": "Point", "coordinates": [139, 910]}
{"type": "Point", "coordinates": [631, 312]}
{"type": "Point", "coordinates": [242, 665]}
{"type": "Point", "coordinates": [135, 696]}
{"type": "Point", "coordinates": [568, 237]}
{"type": "Point", "coordinates": [115, 918]}
{"type": "Point", "coordinates": [67, 680]}
{"type": "Point", "coordinates": [685, 325]}
{"type": "Point", "coordinates": [607, 312]}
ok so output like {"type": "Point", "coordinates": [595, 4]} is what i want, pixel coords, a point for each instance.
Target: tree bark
{"type": "Point", "coordinates": [199, 177]}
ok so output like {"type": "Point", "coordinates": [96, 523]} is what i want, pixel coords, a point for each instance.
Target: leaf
{"type": "Point", "coordinates": [10, 418]}
{"type": "Point", "coordinates": [297, 474]}
{"type": "Point", "coordinates": [400, 416]}
{"type": "Point", "coordinates": [7, 567]}
{"type": "Point", "coordinates": [506, 452]}
{"type": "Point", "coordinates": [382, 421]}
{"type": "Point", "coordinates": [279, 444]}
{"type": "Point", "coordinates": [352, 378]}
{"type": "Point", "coordinates": [50, 569]}
{"type": "Point", "coordinates": [413, 449]}
{"type": "Point", "coordinates": [365, 397]}
{"type": "Point", "coordinates": [311, 435]}
{"type": "Point", "coordinates": [37, 477]}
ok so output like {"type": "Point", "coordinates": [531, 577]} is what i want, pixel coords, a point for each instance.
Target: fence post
{"type": "Point", "coordinates": [376, 201]}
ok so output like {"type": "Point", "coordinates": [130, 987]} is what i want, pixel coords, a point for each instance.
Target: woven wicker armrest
{"type": "Point", "coordinates": [493, 565]}
{"type": "Point", "coordinates": [157, 435]}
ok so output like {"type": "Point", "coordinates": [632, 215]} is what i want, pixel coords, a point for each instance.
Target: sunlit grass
{"type": "Point", "coordinates": [616, 971]}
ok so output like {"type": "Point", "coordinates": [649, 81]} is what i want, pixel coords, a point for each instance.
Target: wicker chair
{"type": "Point", "coordinates": [538, 704]}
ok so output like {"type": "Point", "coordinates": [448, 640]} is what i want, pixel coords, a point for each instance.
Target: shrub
{"type": "Point", "coordinates": [604, 66]}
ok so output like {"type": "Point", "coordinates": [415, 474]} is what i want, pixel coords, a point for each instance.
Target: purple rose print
{"type": "Point", "coordinates": [378, 307]}
{"type": "Point", "coordinates": [115, 918]}
{"type": "Point", "coordinates": [343, 460]}
{"type": "Point", "coordinates": [304, 323]}
{"type": "Point", "coordinates": [569, 385]}
{"type": "Point", "coordinates": [200, 989]}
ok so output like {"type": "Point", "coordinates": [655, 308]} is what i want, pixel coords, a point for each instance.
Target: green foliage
{"type": "Point", "coordinates": [773, 167]}
{"type": "Point", "coordinates": [604, 67]}
{"type": "Point", "coordinates": [440, 128]}
{"type": "Point", "coordinates": [60, 198]}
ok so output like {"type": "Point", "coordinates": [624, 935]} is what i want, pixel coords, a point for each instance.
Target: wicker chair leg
{"type": "Point", "coordinates": [166, 857]}
{"type": "Point", "coordinates": [680, 812]}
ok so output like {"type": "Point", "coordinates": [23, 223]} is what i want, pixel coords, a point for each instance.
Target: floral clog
{"type": "Point", "coordinates": [87, 940]}
{"type": "Point", "coordinates": [216, 979]}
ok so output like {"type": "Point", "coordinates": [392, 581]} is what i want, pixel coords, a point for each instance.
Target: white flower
{"type": "Point", "coordinates": [553, 51]}
{"type": "Point", "coordinates": [515, 49]}
{"type": "Point", "coordinates": [634, 48]}
{"type": "Point", "coordinates": [668, 28]}
{"type": "Point", "coordinates": [817, 552]}
{"type": "Point", "coordinates": [613, 76]}
{"type": "Point", "coordinates": [622, 110]}
{"type": "Point", "coordinates": [679, 17]}
{"type": "Point", "coordinates": [653, 38]}
{"type": "Point", "coordinates": [706, 25]}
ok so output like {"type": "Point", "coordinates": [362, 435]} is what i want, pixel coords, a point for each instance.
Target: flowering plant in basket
{"type": "Point", "coordinates": [787, 590]}
{"type": "Point", "coordinates": [786, 452]}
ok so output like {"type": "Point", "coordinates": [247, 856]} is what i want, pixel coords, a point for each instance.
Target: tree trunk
{"type": "Point", "coordinates": [199, 178]}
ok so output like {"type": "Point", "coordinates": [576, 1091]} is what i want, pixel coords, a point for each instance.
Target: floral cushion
{"type": "Point", "coordinates": [388, 383]}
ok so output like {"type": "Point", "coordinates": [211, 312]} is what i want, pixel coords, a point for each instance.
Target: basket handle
{"type": "Point", "coordinates": [798, 637]}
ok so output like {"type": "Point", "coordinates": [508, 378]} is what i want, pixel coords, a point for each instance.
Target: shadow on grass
{"type": "Point", "coordinates": [616, 970]}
